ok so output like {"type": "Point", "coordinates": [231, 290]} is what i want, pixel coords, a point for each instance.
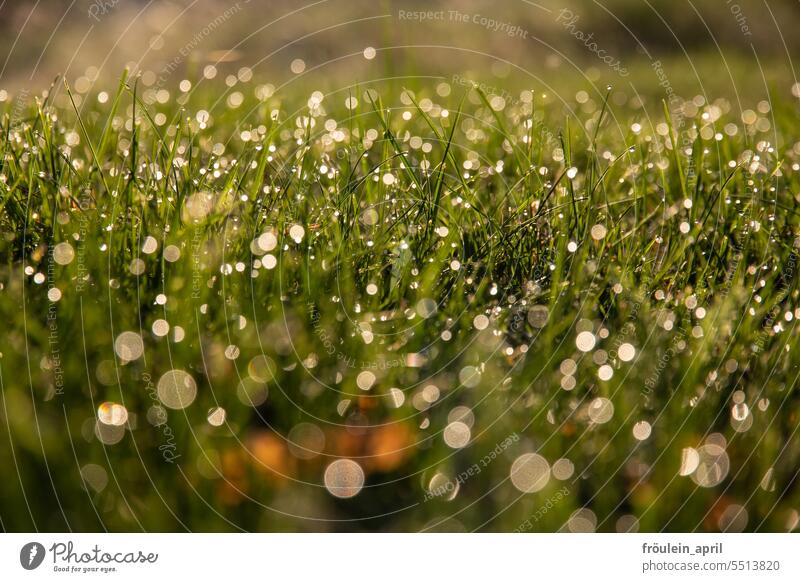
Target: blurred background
{"type": "Point", "coordinates": [709, 40]}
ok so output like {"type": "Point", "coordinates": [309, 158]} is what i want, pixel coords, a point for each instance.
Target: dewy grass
{"type": "Point", "coordinates": [349, 299]}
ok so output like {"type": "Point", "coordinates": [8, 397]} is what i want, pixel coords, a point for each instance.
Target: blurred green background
{"type": "Point", "coordinates": [703, 37]}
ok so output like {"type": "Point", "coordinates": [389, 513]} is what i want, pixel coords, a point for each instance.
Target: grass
{"type": "Point", "coordinates": [511, 314]}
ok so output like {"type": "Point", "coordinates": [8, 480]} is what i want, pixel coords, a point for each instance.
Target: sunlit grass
{"type": "Point", "coordinates": [477, 301]}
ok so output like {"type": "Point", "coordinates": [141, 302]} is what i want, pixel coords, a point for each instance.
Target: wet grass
{"type": "Point", "coordinates": [509, 312]}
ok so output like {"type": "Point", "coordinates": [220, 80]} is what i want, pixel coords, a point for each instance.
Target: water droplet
{"type": "Point", "coordinates": [344, 478]}
{"type": "Point", "coordinates": [601, 410]}
{"type": "Point", "coordinates": [216, 416]}
{"type": "Point", "coordinates": [538, 316]}
{"type": "Point", "coordinates": [112, 414]}
{"type": "Point", "coordinates": [457, 435]}
{"type": "Point", "coordinates": [598, 232]}
{"type": "Point", "coordinates": [530, 472]}
{"type": "Point", "coordinates": [297, 232]}
{"type": "Point", "coordinates": [129, 346]}
{"type": "Point", "coordinates": [626, 352]}
{"type": "Point", "coordinates": [585, 341]}
{"type": "Point", "coordinates": [713, 465]}
{"type": "Point", "coordinates": [63, 253]}
{"type": "Point", "coordinates": [469, 376]}
{"type": "Point", "coordinates": [306, 440]}
{"type": "Point", "coordinates": [365, 380]}
{"type": "Point", "coordinates": [563, 469]}
{"type": "Point", "coordinates": [426, 307]}
{"type": "Point", "coordinates": [642, 430]}
{"type": "Point", "coordinates": [176, 389]}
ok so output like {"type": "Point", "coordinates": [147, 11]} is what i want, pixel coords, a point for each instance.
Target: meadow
{"type": "Point", "coordinates": [412, 304]}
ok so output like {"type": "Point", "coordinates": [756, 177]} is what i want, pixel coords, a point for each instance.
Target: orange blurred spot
{"type": "Point", "coordinates": [270, 456]}
{"type": "Point", "coordinates": [389, 446]}
{"type": "Point", "coordinates": [365, 402]}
